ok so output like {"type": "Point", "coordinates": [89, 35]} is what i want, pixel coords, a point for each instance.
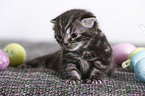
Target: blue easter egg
{"type": "Point", "coordinates": [139, 69]}
{"type": "Point", "coordinates": [136, 57]}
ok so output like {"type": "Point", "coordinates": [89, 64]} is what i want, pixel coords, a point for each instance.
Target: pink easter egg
{"type": "Point", "coordinates": [4, 60]}
{"type": "Point", "coordinates": [121, 52]}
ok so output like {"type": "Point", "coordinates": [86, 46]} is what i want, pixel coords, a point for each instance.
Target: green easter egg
{"type": "Point", "coordinates": [16, 53]}
{"type": "Point", "coordinates": [135, 51]}
{"type": "Point", "coordinates": [126, 63]}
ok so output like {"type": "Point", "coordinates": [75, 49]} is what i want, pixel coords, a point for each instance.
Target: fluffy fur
{"type": "Point", "coordinates": [85, 53]}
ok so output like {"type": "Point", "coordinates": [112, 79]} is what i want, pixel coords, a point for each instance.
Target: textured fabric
{"type": "Point", "coordinates": [42, 81]}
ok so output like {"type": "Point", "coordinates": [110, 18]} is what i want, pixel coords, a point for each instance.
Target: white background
{"type": "Point", "coordinates": [30, 19]}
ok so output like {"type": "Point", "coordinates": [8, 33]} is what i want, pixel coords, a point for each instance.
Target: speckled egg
{"type": "Point", "coordinates": [4, 60]}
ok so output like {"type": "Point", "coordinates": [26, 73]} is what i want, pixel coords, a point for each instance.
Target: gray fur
{"type": "Point", "coordinates": [85, 52]}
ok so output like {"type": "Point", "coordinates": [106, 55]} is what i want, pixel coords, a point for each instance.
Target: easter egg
{"type": "Point", "coordinates": [4, 60]}
{"type": "Point", "coordinates": [126, 63]}
{"type": "Point", "coordinates": [121, 52]}
{"type": "Point", "coordinates": [139, 69]}
{"type": "Point", "coordinates": [136, 57]}
{"type": "Point", "coordinates": [135, 51]}
{"type": "Point", "coordinates": [16, 53]}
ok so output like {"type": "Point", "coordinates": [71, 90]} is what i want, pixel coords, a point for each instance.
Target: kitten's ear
{"type": "Point", "coordinates": [88, 22]}
{"type": "Point", "coordinates": [53, 21]}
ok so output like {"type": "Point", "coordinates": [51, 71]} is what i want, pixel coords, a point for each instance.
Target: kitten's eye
{"type": "Point", "coordinates": [74, 35]}
{"type": "Point", "coordinates": [59, 37]}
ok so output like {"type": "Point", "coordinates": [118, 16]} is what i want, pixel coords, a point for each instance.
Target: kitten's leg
{"type": "Point", "coordinates": [98, 72]}
{"type": "Point", "coordinates": [72, 73]}
{"type": "Point", "coordinates": [37, 62]}
{"type": "Point", "coordinates": [47, 61]}
{"type": "Point", "coordinates": [95, 76]}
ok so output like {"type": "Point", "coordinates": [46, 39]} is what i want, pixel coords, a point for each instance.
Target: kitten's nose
{"type": "Point", "coordinates": [66, 44]}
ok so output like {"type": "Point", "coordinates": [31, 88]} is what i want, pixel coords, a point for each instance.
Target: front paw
{"type": "Point", "coordinates": [74, 82]}
{"type": "Point", "coordinates": [94, 81]}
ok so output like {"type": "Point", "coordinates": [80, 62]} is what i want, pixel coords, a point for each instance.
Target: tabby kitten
{"type": "Point", "coordinates": [85, 52]}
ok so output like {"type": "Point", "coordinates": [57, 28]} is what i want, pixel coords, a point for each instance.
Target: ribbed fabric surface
{"type": "Point", "coordinates": [45, 82]}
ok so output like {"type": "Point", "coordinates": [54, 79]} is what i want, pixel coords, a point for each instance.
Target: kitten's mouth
{"type": "Point", "coordinates": [74, 46]}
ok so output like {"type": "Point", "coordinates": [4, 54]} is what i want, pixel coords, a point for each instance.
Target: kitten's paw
{"type": "Point", "coordinates": [88, 81]}
{"type": "Point", "coordinates": [71, 82]}
{"type": "Point", "coordinates": [74, 82]}
{"type": "Point", "coordinates": [97, 81]}
{"type": "Point", "coordinates": [79, 81]}
{"type": "Point", "coordinates": [94, 81]}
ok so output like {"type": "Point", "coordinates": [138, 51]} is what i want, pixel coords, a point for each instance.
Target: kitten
{"type": "Point", "coordinates": [85, 52]}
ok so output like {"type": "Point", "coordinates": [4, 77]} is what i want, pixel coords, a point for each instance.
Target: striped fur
{"type": "Point", "coordinates": [85, 53]}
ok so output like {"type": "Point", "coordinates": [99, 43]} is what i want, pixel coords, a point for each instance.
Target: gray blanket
{"type": "Point", "coordinates": [46, 82]}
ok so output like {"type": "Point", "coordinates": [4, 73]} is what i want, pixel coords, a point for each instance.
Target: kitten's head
{"type": "Point", "coordinates": [74, 28]}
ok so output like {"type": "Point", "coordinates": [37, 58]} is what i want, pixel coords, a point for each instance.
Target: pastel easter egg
{"type": "Point", "coordinates": [4, 60]}
{"type": "Point", "coordinates": [136, 57]}
{"type": "Point", "coordinates": [135, 51]}
{"type": "Point", "coordinates": [16, 53]}
{"type": "Point", "coordinates": [139, 69]}
{"type": "Point", "coordinates": [121, 52]}
{"type": "Point", "coordinates": [126, 63]}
